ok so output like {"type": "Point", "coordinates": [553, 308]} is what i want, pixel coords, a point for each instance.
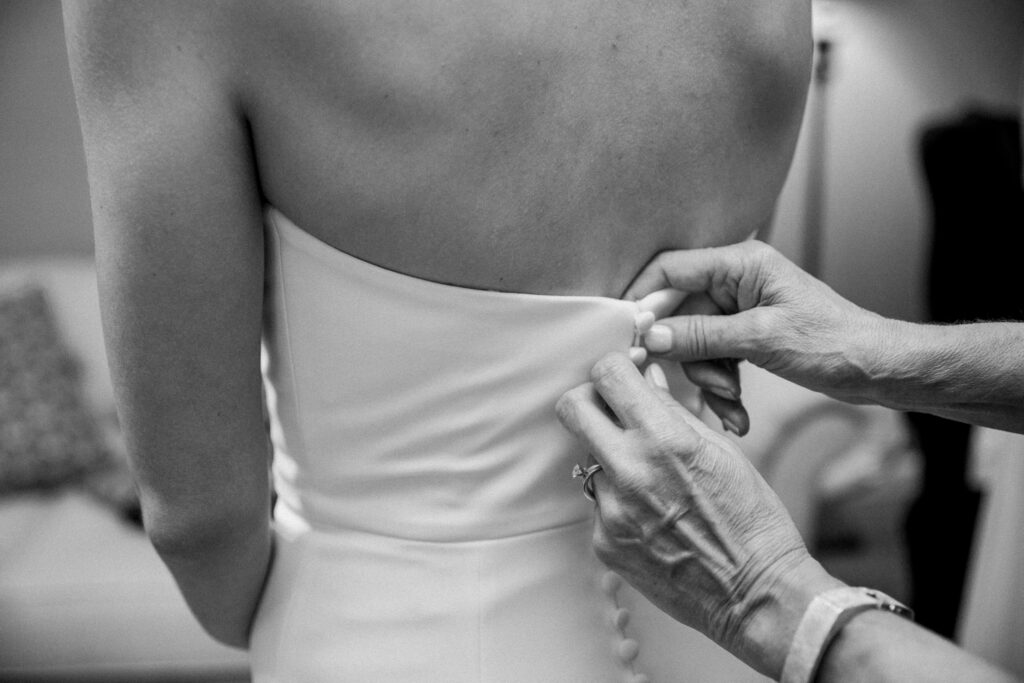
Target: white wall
{"type": "Point", "coordinates": [897, 64]}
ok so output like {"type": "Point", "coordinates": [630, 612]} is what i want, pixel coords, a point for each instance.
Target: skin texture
{"type": "Point", "coordinates": [683, 516]}
{"type": "Point", "coordinates": [547, 147]}
{"type": "Point", "coordinates": [782, 319]}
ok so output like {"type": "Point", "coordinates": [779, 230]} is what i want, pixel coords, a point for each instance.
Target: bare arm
{"type": "Point", "coordinates": [877, 647]}
{"type": "Point", "coordinates": [968, 372]}
{"type": "Point", "coordinates": [177, 217]}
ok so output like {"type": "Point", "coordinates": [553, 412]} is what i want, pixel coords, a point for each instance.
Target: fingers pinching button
{"type": "Point", "coordinates": [638, 355]}
{"type": "Point", "coordinates": [643, 321]}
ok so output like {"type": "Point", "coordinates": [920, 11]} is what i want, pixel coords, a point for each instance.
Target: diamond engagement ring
{"type": "Point", "coordinates": [588, 475]}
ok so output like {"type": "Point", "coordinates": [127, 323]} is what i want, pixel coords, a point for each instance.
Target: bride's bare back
{"type": "Point", "coordinates": [548, 146]}
{"type": "Point", "coordinates": [531, 146]}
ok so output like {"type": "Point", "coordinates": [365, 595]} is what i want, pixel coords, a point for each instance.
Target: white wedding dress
{"type": "Point", "coordinates": [427, 525]}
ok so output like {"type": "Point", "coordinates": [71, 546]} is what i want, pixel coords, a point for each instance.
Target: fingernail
{"type": "Point", "coordinates": [643, 321]}
{"type": "Point", "coordinates": [638, 355]}
{"type": "Point", "coordinates": [658, 339]}
{"type": "Point", "coordinates": [721, 392]}
{"type": "Point", "coordinates": [728, 426]}
{"type": "Point", "coordinates": [656, 376]}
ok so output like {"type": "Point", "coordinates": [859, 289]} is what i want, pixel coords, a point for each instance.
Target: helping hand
{"type": "Point", "coordinates": [684, 517]}
{"type": "Point", "coordinates": [776, 316]}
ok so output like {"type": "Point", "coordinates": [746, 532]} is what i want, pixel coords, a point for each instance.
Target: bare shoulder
{"type": "Point", "coordinates": [120, 50]}
{"type": "Point", "coordinates": [155, 92]}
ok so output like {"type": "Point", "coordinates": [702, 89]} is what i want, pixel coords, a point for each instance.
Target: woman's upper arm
{"type": "Point", "coordinates": [179, 251]}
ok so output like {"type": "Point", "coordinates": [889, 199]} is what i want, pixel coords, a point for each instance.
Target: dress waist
{"type": "Point", "coordinates": [536, 607]}
{"type": "Point", "coordinates": [419, 410]}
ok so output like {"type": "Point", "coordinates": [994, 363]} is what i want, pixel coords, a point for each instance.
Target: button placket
{"type": "Point", "coordinates": [626, 649]}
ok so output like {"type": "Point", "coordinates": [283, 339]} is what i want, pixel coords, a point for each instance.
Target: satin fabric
{"type": "Point", "coordinates": [427, 526]}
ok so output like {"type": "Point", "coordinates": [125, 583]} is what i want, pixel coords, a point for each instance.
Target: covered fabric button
{"type": "Point", "coordinates": [621, 618]}
{"type": "Point", "coordinates": [643, 321]}
{"type": "Point", "coordinates": [628, 650]}
{"type": "Point", "coordinates": [610, 583]}
{"type": "Point", "coordinates": [637, 355]}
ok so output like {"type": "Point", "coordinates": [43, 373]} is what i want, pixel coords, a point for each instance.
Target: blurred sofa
{"type": "Point", "coordinates": [83, 596]}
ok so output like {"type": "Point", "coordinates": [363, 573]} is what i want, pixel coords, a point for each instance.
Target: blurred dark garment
{"type": "Point", "coordinates": [972, 166]}
{"type": "Point", "coordinates": [973, 169]}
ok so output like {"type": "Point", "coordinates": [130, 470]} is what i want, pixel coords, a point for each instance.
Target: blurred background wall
{"type": "Point", "coordinates": [896, 65]}
{"type": "Point", "coordinates": [44, 196]}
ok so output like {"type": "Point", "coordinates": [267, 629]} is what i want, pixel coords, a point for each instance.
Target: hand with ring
{"type": "Point", "coordinates": [684, 517]}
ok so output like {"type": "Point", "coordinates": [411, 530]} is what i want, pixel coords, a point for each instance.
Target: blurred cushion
{"type": "Point", "coordinates": [47, 435]}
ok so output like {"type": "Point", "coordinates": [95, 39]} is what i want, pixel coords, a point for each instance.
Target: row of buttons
{"type": "Point", "coordinates": [627, 648]}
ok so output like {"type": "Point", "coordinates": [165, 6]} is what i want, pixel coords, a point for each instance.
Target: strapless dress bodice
{"type": "Point", "coordinates": [427, 525]}
{"type": "Point", "coordinates": [422, 410]}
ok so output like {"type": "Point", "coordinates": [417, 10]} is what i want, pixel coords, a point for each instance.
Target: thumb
{"type": "Point", "coordinates": [688, 338]}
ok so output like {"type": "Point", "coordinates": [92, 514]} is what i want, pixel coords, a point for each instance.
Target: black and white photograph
{"type": "Point", "coordinates": [479, 341]}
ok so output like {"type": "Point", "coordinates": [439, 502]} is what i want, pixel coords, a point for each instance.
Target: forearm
{"type": "Point", "coordinates": [970, 372]}
{"type": "Point", "coordinates": [873, 647]}
{"type": "Point", "coordinates": [221, 574]}
{"type": "Point", "coordinates": [878, 647]}
{"type": "Point", "coordinates": [770, 620]}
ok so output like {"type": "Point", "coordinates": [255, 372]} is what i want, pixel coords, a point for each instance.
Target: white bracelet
{"type": "Point", "coordinates": [825, 616]}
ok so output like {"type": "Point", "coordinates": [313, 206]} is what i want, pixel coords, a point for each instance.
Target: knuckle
{"type": "Point", "coordinates": [660, 261]}
{"type": "Point", "coordinates": [705, 454]}
{"type": "Point", "coordinates": [759, 254]}
{"type": "Point", "coordinates": [760, 326]}
{"type": "Point", "coordinates": [667, 442]}
{"type": "Point", "coordinates": [616, 523]}
{"type": "Point", "coordinates": [635, 483]}
{"type": "Point", "coordinates": [700, 337]}
{"type": "Point", "coordinates": [693, 338]}
{"type": "Point", "coordinates": [763, 261]}
{"type": "Point", "coordinates": [759, 249]}
{"type": "Point", "coordinates": [613, 504]}
{"type": "Point", "coordinates": [603, 546]}
{"type": "Point", "coordinates": [668, 451]}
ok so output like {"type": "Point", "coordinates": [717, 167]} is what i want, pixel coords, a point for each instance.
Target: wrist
{"type": "Point", "coordinates": [824, 621]}
{"type": "Point", "coordinates": [772, 614]}
{"type": "Point", "coordinates": [889, 352]}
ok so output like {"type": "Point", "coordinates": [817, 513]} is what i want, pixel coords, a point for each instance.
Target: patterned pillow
{"type": "Point", "coordinates": [47, 435]}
